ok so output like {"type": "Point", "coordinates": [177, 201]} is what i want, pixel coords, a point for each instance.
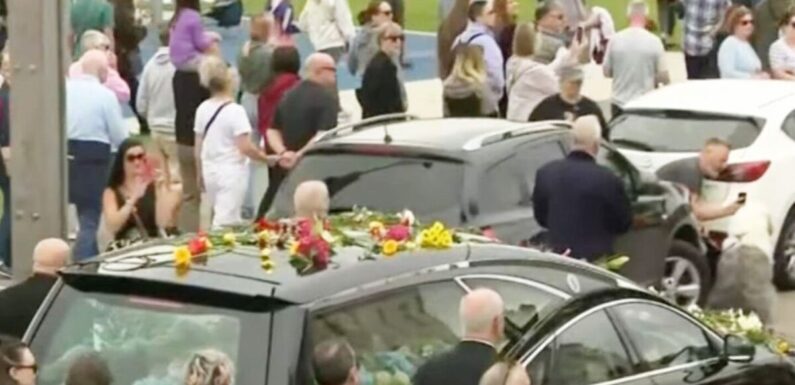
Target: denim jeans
{"type": "Point", "coordinates": [89, 164]}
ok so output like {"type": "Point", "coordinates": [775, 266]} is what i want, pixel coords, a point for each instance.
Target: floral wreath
{"type": "Point", "coordinates": [312, 243]}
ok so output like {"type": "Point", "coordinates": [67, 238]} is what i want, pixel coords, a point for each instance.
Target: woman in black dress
{"type": "Point", "coordinates": [134, 206]}
{"type": "Point", "coordinates": [382, 89]}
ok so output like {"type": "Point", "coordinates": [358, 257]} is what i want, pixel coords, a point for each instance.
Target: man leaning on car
{"type": "Point", "coordinates": [691, 172]}
{"type": "Point", "coordinates": [582, 204]}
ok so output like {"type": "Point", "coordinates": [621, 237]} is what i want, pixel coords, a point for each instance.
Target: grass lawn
{"type": "Point", "coordinates": [424, 17]}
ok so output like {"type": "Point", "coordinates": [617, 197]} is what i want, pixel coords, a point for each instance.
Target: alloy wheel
{"type": "Point", "coordinates": [682, 282]}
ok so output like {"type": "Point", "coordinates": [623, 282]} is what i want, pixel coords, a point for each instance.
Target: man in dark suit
{"type": "Point", "coordinates": [583, 205]}
{"type": "Point", "coordinates": [19, 303]}
{"type": "Point", "coordinates": [482, 317]}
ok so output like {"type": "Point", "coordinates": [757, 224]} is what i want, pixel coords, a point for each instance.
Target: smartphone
{"type": "Point", "coordinates": [741, 197]}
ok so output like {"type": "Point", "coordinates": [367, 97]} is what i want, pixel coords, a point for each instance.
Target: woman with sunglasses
{"type": "Point", "coordinates": [736, 57]}
{"type": "Point", "coordinates": [382, 89]}
{"type": "Point", "coordinates": [782, 52]}
{"type": "Point", "coordinates": [365, 44]}
{"type": "Point", "coordinates": [17, 364]}
{"type": "Point", "coordinates": [133, 208]}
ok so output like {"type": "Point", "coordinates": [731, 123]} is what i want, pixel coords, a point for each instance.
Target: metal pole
{"type": "Point", "coordinates": [38, 46]}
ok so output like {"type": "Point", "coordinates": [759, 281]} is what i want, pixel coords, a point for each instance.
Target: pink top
{"type": "Point", "coordinates": [114, 82]}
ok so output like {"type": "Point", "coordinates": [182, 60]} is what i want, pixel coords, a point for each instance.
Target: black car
{"type": "Point", "coordinates": [480, 173]}
{"type": "Point", "coordinates": [567, 321]}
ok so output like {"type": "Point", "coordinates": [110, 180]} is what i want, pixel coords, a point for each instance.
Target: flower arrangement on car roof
{"type": "Point", "coordinates": [743, 324]}
{"type": "Point", "coordinates": [312, 243]}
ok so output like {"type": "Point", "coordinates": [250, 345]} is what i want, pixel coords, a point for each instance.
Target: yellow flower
{"type": "Point", "coordinates": [389, 248]}
{"type": "Point", "coordinates": [230, 239]}
{"type": "Point", "coordinates": [783, 347]}
{"type": "Point", "coordinates": [267, 265]}
{"type": "Point", "coordinates": [208, 243]}
{"type": "Point", "coordinates": [376, 225]}
{"type": "Point", "coordinates": [182, 257]}
{"type": "Point", "coordinates": [265, 253]}
{"type": "Point", "coordinates": [437, 227]}
{"type": "Point", "coordinates": [294, 248]}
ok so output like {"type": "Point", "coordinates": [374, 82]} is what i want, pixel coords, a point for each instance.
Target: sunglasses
{"type": "Point", "coordinates": [329, 68]}
{"type": "Point", "coordinates": [395, 38]}
{"type": "Point", "coordinates": [386, 13]}
{"type": "Point", "coordinates": [792, 24]}
{"type": "Point", "coordinates": [746, 22]}
{"type": "Point", "coordinates": [133, 157]}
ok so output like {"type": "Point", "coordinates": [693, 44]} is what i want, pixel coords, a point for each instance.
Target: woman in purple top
{"type": "Point", "coordinates": [188, 40]}
{"type": "Point", "coordinates": [187, 45]}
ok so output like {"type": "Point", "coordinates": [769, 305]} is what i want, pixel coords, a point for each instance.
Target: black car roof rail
{"type": "Point", "coordinates": [364, 124]}
{"type": "Point", "coordinates": [498, 136]}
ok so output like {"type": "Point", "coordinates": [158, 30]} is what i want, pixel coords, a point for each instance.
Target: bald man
{"type": "Point", "coordinates": [19, 303]}
{"type": "Point", "coordinates": [482, 316]}
{"type": "Point", "coordinates": [306, 110]}
{"type": "Point", "coordinates": [94, 129]}
{"type": "Point", "coordinates": [583, 205]}
{"type": "Point", "coordinates": [311, 200]}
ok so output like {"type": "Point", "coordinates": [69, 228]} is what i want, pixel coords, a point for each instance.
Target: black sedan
{"type": "Point", "coordinates": [569, 322]}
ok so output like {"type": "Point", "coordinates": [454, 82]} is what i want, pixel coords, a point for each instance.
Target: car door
{"type": "Point", "coordinates": [586, 351]}
{"type": "Point", "coordinates": [507, 186]}
{"type": "Point", "coordinates": [674, 349]}
{"type": "Point", "coordinates": [647, 243]}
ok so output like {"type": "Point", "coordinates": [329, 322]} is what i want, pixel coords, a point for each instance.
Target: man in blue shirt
{"type": "Point", "coordinates": [482, 19]}
{"type": "Point", "coordinates": [95, 128]}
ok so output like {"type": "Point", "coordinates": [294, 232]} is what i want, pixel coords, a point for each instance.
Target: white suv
{"type": "Point", "coordinates": [756, 117]}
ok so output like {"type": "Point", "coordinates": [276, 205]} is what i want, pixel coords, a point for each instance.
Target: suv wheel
{"type": "Point", "coordinates": [784, 265]}
{"type": "Point", "coordinates": [687, 276]}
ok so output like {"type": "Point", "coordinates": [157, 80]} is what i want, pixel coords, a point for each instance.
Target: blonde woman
{"type": "Point", "coordinates": [223, 147]}
{"type": "Point", "coordinates": [528, 81]}
{"type": "Point", "coordinates": [210, 367]}
{"type": "Point", "coordinates": [466, 92]}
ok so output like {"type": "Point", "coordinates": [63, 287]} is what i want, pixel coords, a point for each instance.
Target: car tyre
{"type": "Point", "coordinates": [784, 257]}
{"type": "Point", "coordinates": [687, 279]}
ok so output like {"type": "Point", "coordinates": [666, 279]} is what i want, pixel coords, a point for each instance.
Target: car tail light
{"type": "Point", "coordinates": [744, 172]}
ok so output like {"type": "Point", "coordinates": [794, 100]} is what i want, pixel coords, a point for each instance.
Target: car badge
{"type": "Point", "coordinates": [573, 282]}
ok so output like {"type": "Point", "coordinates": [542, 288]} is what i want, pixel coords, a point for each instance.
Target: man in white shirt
{"type": "Point", "coordinates": [635, 59]}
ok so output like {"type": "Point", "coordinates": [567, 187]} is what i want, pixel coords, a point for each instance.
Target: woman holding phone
{"type": "Point", "coordinates": [135, 207]}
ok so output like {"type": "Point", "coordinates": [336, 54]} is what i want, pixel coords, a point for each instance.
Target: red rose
{"type": "Point", "coordinates": [197, 246]}
{"type": "Point", "coordinates": [264, 224]}
{"type": "Point", "coordinates": [304, 228]}
{"type": "Point", "coordinates": [322, 254]}
{"type": "Point", "coordinates": [398, 233]}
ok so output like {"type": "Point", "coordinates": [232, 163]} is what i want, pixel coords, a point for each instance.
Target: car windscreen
{"type": "Point", "coordinates": [144, 340]}
{"type": "Point", "coordinates": [680, 131]}
{"type": "Point", "coordinates": [430, 187]}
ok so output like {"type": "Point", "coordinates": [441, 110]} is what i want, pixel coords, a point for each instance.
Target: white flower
{"type": "Point", "coordinates": [750, 322]}
{"type": "Point", "coordinates": [694, 309]}
{"type": "Point", "coordinates": [407, 217]}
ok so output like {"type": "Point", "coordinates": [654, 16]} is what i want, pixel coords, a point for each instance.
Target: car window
{"type": "Point", "coordinates": [535, 155]}
{"type": "Point", "coordinates": [502, 187]}
{"type": "Point", "coordinates": [620, 167]}
{"type": "Point", "coordinates": [588, 352]}
{"type": "Point", "coordinates": [398, 331]}
{"type": "Point", "coordinates": [429, 187]}
{"type": "Point", "coordinates": [677, 131]}
{"type": "Point", "coordinates": [662, 337]}
{"type": "Point", "coordinates": [144, 340]}
{"type": "Point", "coordinates": [789, 125]}
{"type": "Point", "coordinates": [523, 303]}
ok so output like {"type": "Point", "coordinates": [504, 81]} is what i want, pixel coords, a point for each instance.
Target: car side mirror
{"type": "Point", "coordinates": [737, 349]}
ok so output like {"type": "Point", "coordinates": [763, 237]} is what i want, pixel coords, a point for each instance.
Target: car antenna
{"type": "Point", "coordinates": [387, 137]}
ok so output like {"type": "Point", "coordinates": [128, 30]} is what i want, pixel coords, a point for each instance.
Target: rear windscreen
{"type": "Point", "coordinates": [680, 131]}
{"type": "Point", "coordinates": [145, 341]}
{"type": "Point", "coordinates": [429, 187]}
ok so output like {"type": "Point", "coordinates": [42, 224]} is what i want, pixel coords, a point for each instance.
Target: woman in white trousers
{"type": "Point", "coordinates": [223, 147]}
